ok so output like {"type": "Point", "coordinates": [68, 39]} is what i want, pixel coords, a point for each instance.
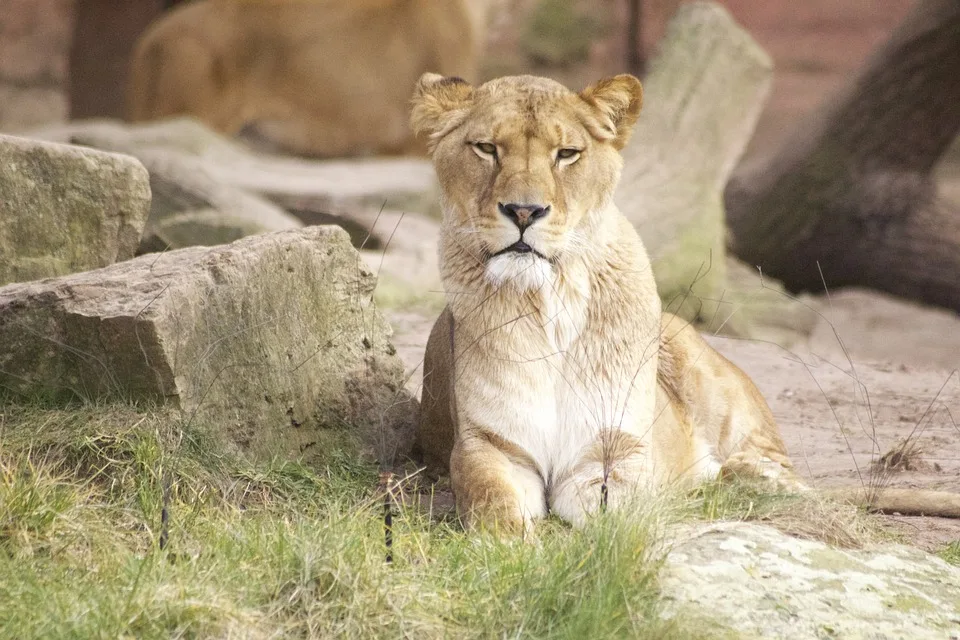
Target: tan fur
{"type": "Point", "coordinates": [548, 376]}
{"type": "Point", "coordinates": [316, 77]}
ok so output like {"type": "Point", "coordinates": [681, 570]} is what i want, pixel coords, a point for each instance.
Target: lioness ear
{"type": "Point", "coordinates": [439, 103]}
{"type": "Point", "coordinates": [616, 105]}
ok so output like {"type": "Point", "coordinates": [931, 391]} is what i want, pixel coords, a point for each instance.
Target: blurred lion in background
{"type": "Point", "coordinates": [320, 78]}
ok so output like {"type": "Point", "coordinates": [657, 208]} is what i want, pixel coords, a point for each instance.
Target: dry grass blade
{"type": "Point", "coordinates": [906, 455]}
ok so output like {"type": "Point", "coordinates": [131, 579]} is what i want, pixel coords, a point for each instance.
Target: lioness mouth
{"type": "Point", "coordinates": [519, 247]}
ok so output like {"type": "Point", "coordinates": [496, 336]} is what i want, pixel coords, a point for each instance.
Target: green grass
{"type": "Point", "coordinates": [951, 553]}
{"type": "Point", "coordinates": [276, 549]}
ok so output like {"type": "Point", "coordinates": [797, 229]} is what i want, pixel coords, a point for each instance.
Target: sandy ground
{"type": "Point", "coordinates": [839, 418]}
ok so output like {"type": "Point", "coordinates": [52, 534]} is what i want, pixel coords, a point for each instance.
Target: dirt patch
{"type": "Point", "coordinates": [839, 419]}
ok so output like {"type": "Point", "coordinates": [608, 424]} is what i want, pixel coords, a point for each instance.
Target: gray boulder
{"type": "Point", "coordinates": [190, 207]}
{"type": "Point", "coordinates": [311, 186]}
{"type": "Point", "coordinates": [273, 341]}
{"type": "Point", "coordinates": [703, 96]}
{"type": "Point", "coordinates": [65, 209]}
{"type": "Point", "coordinates": [752, 581]}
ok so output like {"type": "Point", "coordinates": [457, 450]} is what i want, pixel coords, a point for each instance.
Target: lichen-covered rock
{"type": "Point", "coordinates": [272, 340]}
{"type": "Point", "coordinates": [752, 581]}
{"type": "Point", "coordinates": [65, 209]}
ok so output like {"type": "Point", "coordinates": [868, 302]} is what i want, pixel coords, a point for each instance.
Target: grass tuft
{"type": "Point", "coordinates": [951, 553]}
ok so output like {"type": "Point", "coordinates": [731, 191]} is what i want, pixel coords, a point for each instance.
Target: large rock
{"type": "Point", "coordinates": [293, 183]}
{"type": "Point", "coordinates": [408, 184]}
{"type": "Point", "coordinates": [272, 340]}
{"type": "Point", "coordinates": [705, 91]}
{"type": "Point", "coordinates": [65, 209]}
{"type": "Point", "coordinates": [754, 582]}
{"type": "Point", "coordinates": [190, 206]}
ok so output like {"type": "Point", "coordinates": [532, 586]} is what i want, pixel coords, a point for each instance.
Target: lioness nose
{"type": "Point", "coordinates": [523, 215]}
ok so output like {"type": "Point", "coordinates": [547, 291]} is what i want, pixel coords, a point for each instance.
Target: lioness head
{"type": "Point", "coordinates": [526, 167]}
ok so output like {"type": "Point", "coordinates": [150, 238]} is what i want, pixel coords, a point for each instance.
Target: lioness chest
{"type": "Point", "coordinates": [550, 380]}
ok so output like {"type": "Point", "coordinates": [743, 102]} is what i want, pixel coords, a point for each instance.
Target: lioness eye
{"type": "Point", "coordinates": [566, 154]}
{"type": "Point", "coordinates": [486, 148]}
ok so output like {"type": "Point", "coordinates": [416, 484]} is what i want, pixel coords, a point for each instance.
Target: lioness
{"type": "Point", "coordinates": [314, 77]}
{"type": "Point", "coordinates": [552, 381]}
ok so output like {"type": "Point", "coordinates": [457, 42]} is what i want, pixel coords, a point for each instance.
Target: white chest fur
{"type": "Point", "coordinates": [545, 394]}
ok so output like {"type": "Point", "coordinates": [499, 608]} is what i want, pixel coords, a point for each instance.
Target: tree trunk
{"type": "Point", "coordinates": [636, 56]}
{"type": "Point", "coordinates": [105, 32]}
{"type": "Point", "coordinates": [851, 194]}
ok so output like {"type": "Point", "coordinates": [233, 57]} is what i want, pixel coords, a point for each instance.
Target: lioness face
{"type": "Point", "coordinates": [526, 167]}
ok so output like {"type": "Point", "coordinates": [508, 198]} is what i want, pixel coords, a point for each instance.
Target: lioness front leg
{"type": "Point", "coordinates": [615, 464]}
{"type": "Point", "coordinates": [774, 467]}
{"type": "Point", "coordinates": [495, 490]}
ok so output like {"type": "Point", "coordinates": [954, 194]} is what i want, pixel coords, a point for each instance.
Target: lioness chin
{"type": "Point", "coordinates": [552, 372]}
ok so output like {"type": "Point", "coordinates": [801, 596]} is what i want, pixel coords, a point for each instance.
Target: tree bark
{"type": "Point", "coordinates": [105, 32]}
{"type": "Point", "coordinates": [849, 199]}
{"type": "Point", "coordinates": [636, 55]}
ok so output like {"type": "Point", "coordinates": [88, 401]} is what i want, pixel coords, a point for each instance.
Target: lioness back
{"type": "Point", "coordinates": [316, 77]}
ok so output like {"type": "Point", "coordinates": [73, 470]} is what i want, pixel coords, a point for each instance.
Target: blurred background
{"type": "Point", "coordinates": [843, 172]}
{"type": "Point", "coordinates": [69, 58]}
